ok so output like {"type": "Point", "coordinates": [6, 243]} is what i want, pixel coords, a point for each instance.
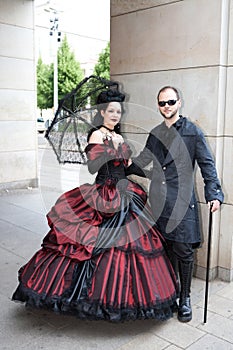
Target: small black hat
{"type": "Point", "coordinates": [110, 95]}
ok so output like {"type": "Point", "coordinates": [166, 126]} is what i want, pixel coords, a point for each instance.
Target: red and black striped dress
{"type": "Point", "coordinates": [103, 258]}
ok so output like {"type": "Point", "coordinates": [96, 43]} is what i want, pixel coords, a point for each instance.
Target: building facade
{"type": "Point", "coordinates": [187, 44]}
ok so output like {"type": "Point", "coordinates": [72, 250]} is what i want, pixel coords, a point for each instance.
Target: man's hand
{"type": "Point", "coordinates": [215, 205]}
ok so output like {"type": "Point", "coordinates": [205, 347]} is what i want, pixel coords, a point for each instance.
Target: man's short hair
{"type": "Point", "coordinates": [169, 87]}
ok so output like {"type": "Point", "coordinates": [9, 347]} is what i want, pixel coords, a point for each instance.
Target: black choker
{"type": "Point", "coordinates": [110, 130]}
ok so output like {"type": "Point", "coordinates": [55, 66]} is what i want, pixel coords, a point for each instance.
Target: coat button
{"type": "Point", "coordinates": [163, 182]}
{"type": "Point", "coordinates": [164, 168]}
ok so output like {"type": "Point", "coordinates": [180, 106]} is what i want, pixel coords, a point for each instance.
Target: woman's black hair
{"type": "Point", "coordinates": [102, 102]}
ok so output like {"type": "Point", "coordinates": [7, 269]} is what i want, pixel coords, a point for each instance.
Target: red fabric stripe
{"type": "Point", "coordinates": [65, 277]}
{"type": "Point", "coordinates": [131, 279]}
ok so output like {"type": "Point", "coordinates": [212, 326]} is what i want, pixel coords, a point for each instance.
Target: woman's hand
{"type": "Point", "coordinates": [117, 140]}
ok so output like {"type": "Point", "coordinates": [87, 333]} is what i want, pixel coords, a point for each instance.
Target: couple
{"type": "Point", "coordinates": [108, 254]}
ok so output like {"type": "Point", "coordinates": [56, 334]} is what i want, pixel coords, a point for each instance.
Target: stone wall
{"type": "Point", "coordinates": [187, 44]}
{"type": "Point", "coordinates": [18, 151]}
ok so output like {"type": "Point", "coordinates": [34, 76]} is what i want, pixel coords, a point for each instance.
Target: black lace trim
{"type": "Point", "coordinates": [84, 309]}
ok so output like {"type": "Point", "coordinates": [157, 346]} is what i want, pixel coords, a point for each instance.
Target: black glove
{"type": "Point", "coordinates": [134, 169]}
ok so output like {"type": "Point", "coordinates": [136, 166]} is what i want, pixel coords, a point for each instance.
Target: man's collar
{"type": "Point", "coordinates": [178, 123]}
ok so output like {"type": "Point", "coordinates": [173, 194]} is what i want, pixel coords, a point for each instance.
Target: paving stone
{"type": "Point", "coordinates": [196, 291]}
{"type": "Point", "coordinates": [19, 240]}
{"type": "Point", "coordinates": [19, 328]}
{"type": "Point", "coordinates": [146, 341]}
{"type": "Point", "coordinates": [178, 333]}
{"type": "Point", "coordinates": [9, 266]}
{"type": "Point", "coordinates": [30, 220]}
{"type": "Point", "coordinates": [88, 335]}
{"type": "Point", "coordinates": [220, 327]}
{"type": "Point", "coordinates": [220, 305]}
{"type": "Point", "coordinates": [33, 202]}
{"type": "Point", "coordinates": [227, 291]}
{"type": "Point", "coordinates": [217, 286]}
{"type": "Point", "coordinates": [209, 342]}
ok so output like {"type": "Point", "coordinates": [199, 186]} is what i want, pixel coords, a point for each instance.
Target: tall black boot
{"type": "Point", "coordinates": [184, 309]}
{"type": "Point", "coordinates": [174, 262]}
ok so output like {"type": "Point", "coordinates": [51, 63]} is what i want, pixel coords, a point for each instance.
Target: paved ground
{"type": "Point", "coordinates": [22, 227]}
{"type": "Point", "coordinates": [23, 224]}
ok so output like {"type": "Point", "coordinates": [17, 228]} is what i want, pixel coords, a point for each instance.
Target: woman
{"type": "Point", "coordinates": [103, 258]}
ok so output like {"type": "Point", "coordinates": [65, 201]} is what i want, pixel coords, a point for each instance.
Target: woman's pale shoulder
{"type": "Point", "coordinates": [96, 137]}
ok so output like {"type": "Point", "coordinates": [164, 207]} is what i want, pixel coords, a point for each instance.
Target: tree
{"type": "Point", "coordinates": [102, 67]}
{"type": "Point", "coordinates": [70, 72]}
{"type": "Point", "coordinates": [69, 75]}
{"type": "Point", "coordinates": [44, 85]}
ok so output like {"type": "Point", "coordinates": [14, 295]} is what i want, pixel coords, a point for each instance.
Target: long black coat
{"type": "Point", "coordinates": [174, 152]}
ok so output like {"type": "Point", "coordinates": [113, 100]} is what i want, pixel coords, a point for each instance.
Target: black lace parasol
{"type": "Point", "coordinates": [68, 131]}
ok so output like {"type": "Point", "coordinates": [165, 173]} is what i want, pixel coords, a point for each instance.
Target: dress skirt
{"type": "Point", "coordinates": [103, 258]}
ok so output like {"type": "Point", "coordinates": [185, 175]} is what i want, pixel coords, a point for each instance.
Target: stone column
{"type": "Point", "coordinates": [18, 139]}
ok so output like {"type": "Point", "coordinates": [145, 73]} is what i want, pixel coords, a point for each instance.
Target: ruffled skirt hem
{"type": "Point", "coordinates": [95, 311]}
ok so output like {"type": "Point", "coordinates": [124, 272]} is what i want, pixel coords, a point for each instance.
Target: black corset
{"type": "Point", "coordinates": [110, 171]}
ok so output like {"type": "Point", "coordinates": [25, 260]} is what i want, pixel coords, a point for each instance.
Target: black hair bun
{"type": "Point", "coordinates": [110, 95]}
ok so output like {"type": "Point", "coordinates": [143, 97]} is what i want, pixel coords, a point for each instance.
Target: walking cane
{"type": "Point", "coordinates": [208, 262]}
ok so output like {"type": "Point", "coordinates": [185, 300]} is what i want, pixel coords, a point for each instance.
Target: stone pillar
{"type": "Point", "coordinates": [18, 139]}
{"type": "Point", "coordinates": [187, 44]}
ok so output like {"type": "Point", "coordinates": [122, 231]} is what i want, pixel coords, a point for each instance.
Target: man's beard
{"type": "Point", "coordinates": [170, 116]}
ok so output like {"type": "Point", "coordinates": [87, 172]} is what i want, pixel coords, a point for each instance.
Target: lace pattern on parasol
{"type": "Point", "coordinates": [68, 131]}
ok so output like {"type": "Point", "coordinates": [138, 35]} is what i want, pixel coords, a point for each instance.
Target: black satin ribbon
{"type": "Point", "coordinates": [110, 130]}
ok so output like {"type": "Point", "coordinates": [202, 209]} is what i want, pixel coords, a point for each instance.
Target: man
{"type": "Point", "coordinates": [174, 147]}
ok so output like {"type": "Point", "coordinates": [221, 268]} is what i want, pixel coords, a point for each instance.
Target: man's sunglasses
{"type": "Point", "coordinates": [169, 102]}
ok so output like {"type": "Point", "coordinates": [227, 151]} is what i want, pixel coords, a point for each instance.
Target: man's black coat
{"type": "Point", "coordinates": [174, 152]}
